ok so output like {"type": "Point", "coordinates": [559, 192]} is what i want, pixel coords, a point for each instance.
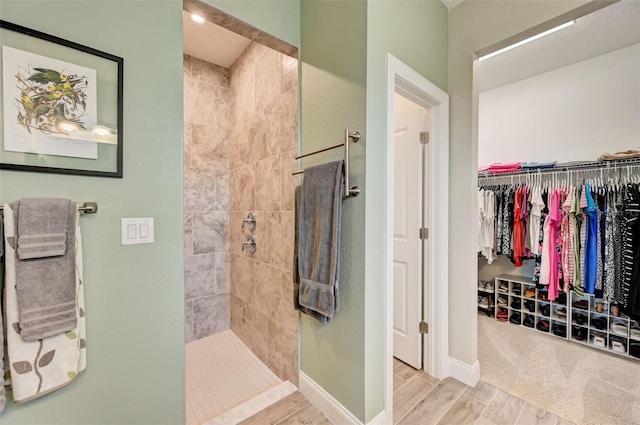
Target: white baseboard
{"type": "Point", "coordinates": [467, 374]}
{"type": "Point", "coordinates": [330, 407]}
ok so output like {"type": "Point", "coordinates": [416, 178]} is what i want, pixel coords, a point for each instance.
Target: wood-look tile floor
{"type": "Point", "coordinates": [420, 399]}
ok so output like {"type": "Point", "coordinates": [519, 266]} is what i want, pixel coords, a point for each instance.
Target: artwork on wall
{"type": "Point", "coordinates": [62, 105]}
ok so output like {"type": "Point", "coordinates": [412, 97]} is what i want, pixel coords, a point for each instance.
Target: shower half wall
{"type": "Point", "coordinates": [240, 143]}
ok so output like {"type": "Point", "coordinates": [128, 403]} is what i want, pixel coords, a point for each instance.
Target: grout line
{"type": "Point", "coordinates": [417, 402]}
{"type": "Point", "coordinates": [521, 410]}
{"type": "Point", "coordinates": [449, 408]}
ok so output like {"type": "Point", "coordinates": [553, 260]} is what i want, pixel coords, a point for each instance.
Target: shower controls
{"type": "Point", "coordinates": [250, 221]}
{"type": "Point", "coordinates": [250, 244]}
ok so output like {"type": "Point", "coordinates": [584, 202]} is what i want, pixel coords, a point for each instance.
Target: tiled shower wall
{"type": "Point", "coordinates": [207, 102]}
{"type": "Point", "coordinates": [263, 144]}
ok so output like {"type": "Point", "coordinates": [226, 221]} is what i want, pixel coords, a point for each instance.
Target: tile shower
{"type": "Point", "coordinates": [240, 138]}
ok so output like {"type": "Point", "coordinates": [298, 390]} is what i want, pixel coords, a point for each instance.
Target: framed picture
{"type": "Point", "coordinates": [61, 105]}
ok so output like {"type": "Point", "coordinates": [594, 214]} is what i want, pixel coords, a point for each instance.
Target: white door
{"type": "Point", "coordinates": [407, 245]}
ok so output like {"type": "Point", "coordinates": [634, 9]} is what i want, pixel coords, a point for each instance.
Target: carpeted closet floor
{"type": "Point", "coordinates": [583, 385]}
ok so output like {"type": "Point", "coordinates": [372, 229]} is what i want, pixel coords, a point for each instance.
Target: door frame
{"type": "Point", "coordinates": [435, 302]}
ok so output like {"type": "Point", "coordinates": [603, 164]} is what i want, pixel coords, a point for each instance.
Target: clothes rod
{"type": "Point", "coordinates": [87, 208]}
{"type": "Point", "coordinates": [562, 167]}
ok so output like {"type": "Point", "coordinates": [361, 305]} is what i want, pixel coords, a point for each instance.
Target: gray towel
{"type": "Point", "coordinates": [319, 237]}
{"type": "Point", "coordinates": [46, 287]}
{"type": "Point", "coordinates": [296, 273]}
{"type": "Point", "coordinates": [42, 228]}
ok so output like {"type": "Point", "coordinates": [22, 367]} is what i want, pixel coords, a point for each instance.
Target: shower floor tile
{"type": "Point", "coordinates": [222, 373]}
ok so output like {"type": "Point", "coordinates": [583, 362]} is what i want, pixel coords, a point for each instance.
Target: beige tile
{"type": "Point", "coordinates": [210, 73]}
{"type": "Point", "coordinates": [281, 238]}
{"type": "Point", "coordinates": [242, 276]}
{"type": "Point", "coordinates": [255, 146]}
{"type": "Point", "coordinates": [398, 381]}
{"type": "Point", "coordinates": [221, 190]}
{"type": "Point", "coordinates": [210, 232]}
{"type": "Point", "coordinates": [199, 276]}
{"type": "Point", "coordinates": [495, 406]}
{"type": "Point", "coordinates": [276, 44]}
{"type": "Point", "coordinates": [289, 73]}
{"type": "Point", "coordinates": [188, 92]}
{"type": "Point", "coordinates": [283, 123]}
{"type": "Point", "coordinates": [405, 371]}
{"type": "Point", "coordinates": [241, 189]}
{"type": "Point", "coordinates": [532, 415]}
{"type": "Point", "coordinates": [430, 379]}
{"type": "Point", "coordinates": [288, 165]}
{"type": "Point", "coordinates": [243, 92]}
{"type": "Point", "coordinates": [484, 421]}
{"type": "Point", "coordinates": [283, 352]}
{"type": "Point", "coordinates": [278, 411]}
{"type": "Point", "coordinates": [408, 396]}
{"type": "Point", "coordinates": [466, 410]}
{"type": "Point", "coordinates": [511, 410]}
{"type": "Point", "coordinates": [563, 421]}
{"type": "Point", "coordinates": [431, 408]}
{"type": "Point", "coordinates": [396, 362]}
{"type": "Point", "coordinates": [199, 189]}
{"type": "Point", "coordinates": [188, 234]}
{"type": "Point", "coordinates": [268, 184]}
{"type": "Point", "coordinates": [257, 333]}
{"type": "Point", "coordinates": [261, 235]}
{"type": "Point", "coordinates": [325, 421]}
{"type": "Point", "coordinates": [186, 65]}
{"type": "Point", "coordinates": [482, 392]}
{"type": "Point", "coordinates": [210, 147]}
{"type": "Point", "coordinates": [238, 135]}
{"type": "Point", "coordinates": [307, 415]}
{"type": "Point", "coordinates": [202, 103]}
{"type": "Point", "coordinates": [266, 291]}
{"type": "Point", "coordinates": [186, 145]}
{"type": "Point", "coordinates": [285, 314]}
{"type": "Point", "coordinates": [268, 79]}
{"type": "Point", "coordinates": [238, 323]}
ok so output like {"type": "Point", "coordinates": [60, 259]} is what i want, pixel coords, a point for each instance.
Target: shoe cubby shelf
{"type": "Point", "coordinates": [584, 320]}
{"type": "Point", "coordinates": [486, 299]}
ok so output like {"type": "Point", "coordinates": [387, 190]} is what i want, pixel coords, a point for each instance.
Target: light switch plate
{"type": "Point", "coordinates": [136, 230]}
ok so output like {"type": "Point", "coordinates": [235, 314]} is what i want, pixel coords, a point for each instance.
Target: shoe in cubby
{"type": "Point", "coordinates": [543, 325]}
{"type": "Point", "coordinates": [634, 348]}
{"type": "Point", "coordinates": [618, 344]}
{"type": "Point", "coordinates": [560, 313]}
{"type": "Point", "coordinates": [579, 333]}
{"type": "Point", "coordinates": [599, 322]}
{"type": "Point", "coordinates": [559, 329]}
{"type": "Point", "coordinates": [561, 299]}
{"type": "Point", "coordinates": [543, 295]}
{"type": "Point", "coordinates": [579, 318]}
{"type": "Point", "coordinates": [503, 286]}
{"type": "Point", "coordinates": [502, 301]}
{"type": "Point", "coordinates": [529, 291]}
{"type": "Point", "coordinates": [515, 318]}
{"type": "Point", "coordinates": [530, 306]}
{"type": "Point", "coordinates": [529, 320]}
{"type": "Point", "coordinates": [544, 309]}
{"type": "Point", "coordinates": [502, 314]}
{"type": "Point", "coordinates": [634, 331]}
{"type": "Point", "coordinates": [516, 303]}
{"type": "Point", "coordinates": [580, 303]}
{"type": "Point", "coordinates": [516, 288]}
{"type": "Point", "coordinates": [618, 327]}
{"type": "Point", "coordinates": [598, 339]}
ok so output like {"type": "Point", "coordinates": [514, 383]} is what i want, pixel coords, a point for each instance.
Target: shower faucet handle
{"type": "Point", "coordinates": [250, 244]}
{"type": "Point", "coordinates": [250, 221]}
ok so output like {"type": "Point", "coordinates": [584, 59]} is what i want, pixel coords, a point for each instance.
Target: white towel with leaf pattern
{"type": "Point", "coordinates": [40, 367]}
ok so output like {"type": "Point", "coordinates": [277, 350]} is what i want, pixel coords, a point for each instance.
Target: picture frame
{"type": "Point", "coordinates": [61, 105]}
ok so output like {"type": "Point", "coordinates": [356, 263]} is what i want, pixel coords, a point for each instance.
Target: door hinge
{"type": "Point", "coordinates": [424, 327]}
{"type": "Point", "coordinates": [424, 137]}
{"type": "Point", "coordinates": [424, 233]}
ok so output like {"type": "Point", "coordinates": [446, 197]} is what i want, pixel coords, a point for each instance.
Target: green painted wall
{"type": "Point", "coordinates": [134, 294]}
{"type": "Point", "coordinates": [344, 85]}
{"type": "Point", "coordinates": [474, 25]}
{"type": "Point", "coordinates": [333, 97]}
{"type": "Point", "coordinates": [416, 33]}
{"type": "Point", "coordinates": [280, 18]}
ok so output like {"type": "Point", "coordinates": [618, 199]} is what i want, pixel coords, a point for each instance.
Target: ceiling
{"type": "Point", "coordinates": [608, 29]}
{"type": "Point", "coordinates": [211, 43]}
{"type": "Point", "coordinates": [604, 31]}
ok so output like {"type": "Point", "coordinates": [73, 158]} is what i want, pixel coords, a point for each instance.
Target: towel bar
{"type": "Point", "coordinates": [87, 208]}
{"type": "Point", "coordinates": [348, 135]}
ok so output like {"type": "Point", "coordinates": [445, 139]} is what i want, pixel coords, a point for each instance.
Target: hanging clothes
{"type": "Point", "coordinates": [591, 242]}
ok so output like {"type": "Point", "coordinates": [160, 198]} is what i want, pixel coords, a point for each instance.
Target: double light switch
{"type": "Point", "coordinates": [136, 230]}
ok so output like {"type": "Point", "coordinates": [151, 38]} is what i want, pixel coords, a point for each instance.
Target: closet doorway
{"type": "Point", "coordinates": [410, 136]}
{"type": "Point", "coordinates": [416, 251]}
